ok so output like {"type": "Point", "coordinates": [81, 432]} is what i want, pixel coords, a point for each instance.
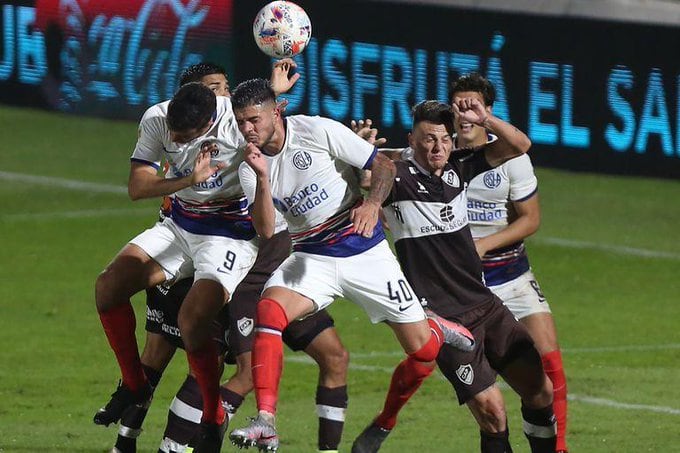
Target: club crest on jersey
{"type": "Point", "coordinates": [492, 179]}
{"type": "Point", "coordinates": [465, 374]}
{"type": "Point", "coordinates": [302, 160]}
{"type": "Point", "coordinates": [446, 214]}
{"type": "Point", "coordinates": [245, 326]}
{"type": "Point", "coordinates": [451, 178]}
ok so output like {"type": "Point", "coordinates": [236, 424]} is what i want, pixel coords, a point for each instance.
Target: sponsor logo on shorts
{"type": "Point", "coordinates": [171, 330]}
{"type": "Point", "coordinates": [403, 309]}
{"type": "Point", "coordinates": [302, 160]}
{"type": "Point", "coordinates": [154, 315]}
{"type": "Point", "coordinates": [465, 374]}
{"type": "Point", "coordinates": [245, 326]}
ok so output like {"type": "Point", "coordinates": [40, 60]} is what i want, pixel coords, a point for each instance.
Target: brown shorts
{"type": "Point", "coordinates": [243, 304]}
{"type": "Point", "coordinates": [500, 339]}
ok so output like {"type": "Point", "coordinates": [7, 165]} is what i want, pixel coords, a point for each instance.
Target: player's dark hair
{"type": "Point", "coordinates": [191, 107]}
{"type": "Point", "coordinates": [196, 72]}
{"type": "Point", "coordinates": [433, 111]}
{"type": "Point", "coordinates": [476, 83]}
{"type": "Point", "coordinates": [252, 92]}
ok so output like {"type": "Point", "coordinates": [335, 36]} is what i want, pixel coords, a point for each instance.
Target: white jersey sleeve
{"type": "Point", "coordinates": [343, 143]}
{"type": "Point", "coordinates": [523, 182]}
{"type": "Point", "coordinates": [150, 134]}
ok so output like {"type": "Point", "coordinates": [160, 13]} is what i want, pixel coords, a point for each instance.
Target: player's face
{"type": "Point", "coordinates": [218, 83]}
{"type": "Point", "coordinates": [182, 137]}
{"type": "Point", "coordinates": [257, 123]}
{"type": "Point", "coordinates": [468, 133]}
{"type": "Point", "coordinates": [432, 145]}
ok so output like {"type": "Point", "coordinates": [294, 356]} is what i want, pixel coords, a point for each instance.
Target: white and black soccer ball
{"type": "Point", "coordinates": [282, 29]}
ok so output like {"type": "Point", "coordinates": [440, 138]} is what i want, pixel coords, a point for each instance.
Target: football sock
{"type": "Point", "coordinates": [119, 326]}
{"type": "Point", "coordinates": [184, 417]}
{"type": "Point", "coordinates": [552, 364]}
{"type": "Point", "coordinates": [331, 405]}
{"type": "Point", "coordinates": [407, 378]}
{"type": "Point", "coordinates": [540, 428]}
{"type": "Point", "coordinates": [133, 418]}
{"type": "Point", "coordinates": [231, 401]}
{"type": "Point", "coordinates": [495, 442]}
{"type": "Point", "coordinates": [267, 354]}
{"type": "Point", "coordinates": [205, 367]}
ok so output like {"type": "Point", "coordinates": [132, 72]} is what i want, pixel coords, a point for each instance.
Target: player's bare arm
{"type": "Point", "coordinates": [262, 209]}
{"type": "Point", "coordinates": [511, 141]}
{"type": "Point", "coordinates": [281, 79]}
{"type": "Point", "coordinates": [144, 181]}
{"type": "Point", "coordinates": [365, 217]}
{"type": "Point", "coordinates": [524, 223]}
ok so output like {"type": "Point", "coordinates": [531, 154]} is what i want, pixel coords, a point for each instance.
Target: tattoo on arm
{"type": "Point", "coordinates": [383, 172]}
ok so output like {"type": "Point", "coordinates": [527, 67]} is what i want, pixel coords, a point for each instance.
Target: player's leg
{"type": "Point", "coordinates": [130, 271]}
{"type": "Point", "coordinates": [155, 357]}
{"type": "Point", "coordinates": [474, 380]}
{"type": "Point", "coordinates": [524, 298]}
{"type": "Point", "coordinates": [385, 295]}
{"type": "Point", "coordinates": [518, 361]}
{"type": "Point", "coordinates": [300, 285]}
{"type": "Point", "coordinates": [162, 340]}
{"type": "Point", "coordinates": [220, 265]}
{"type": "Point", "coordinates": [317, 336]}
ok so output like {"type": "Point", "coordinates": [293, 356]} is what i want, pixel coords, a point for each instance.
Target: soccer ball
{"type": "Point", "coordinates": [282, 29]}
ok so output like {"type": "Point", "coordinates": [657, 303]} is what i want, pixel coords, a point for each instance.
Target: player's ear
{"type": "Point", "coordinates": [410, 140]}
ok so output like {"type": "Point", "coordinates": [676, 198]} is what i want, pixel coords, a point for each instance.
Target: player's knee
{"type": "Point", "coordinates": [334, 363]}
{"type": "Point", "coordinates": [428, 352]}
{"type": "Point", "coordinates": [490, 415]}
{"type": "Point", "coordinates": [106, 288]}
{"type": "Point", "coordinates": [271, 314]}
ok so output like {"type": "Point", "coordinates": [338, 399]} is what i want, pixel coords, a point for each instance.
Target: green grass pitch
{"type": "Point", "coordinates": [607, 257]}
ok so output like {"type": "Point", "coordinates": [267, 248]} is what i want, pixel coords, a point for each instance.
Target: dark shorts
{"type": "Point", "coordinates": [500, 338]}
{"type": "Point", "coordinates": [238, 316]}
{"type": "Point", "coordinates": [243, 304]}
{"type": "Point", "coordinates": [162, 310]}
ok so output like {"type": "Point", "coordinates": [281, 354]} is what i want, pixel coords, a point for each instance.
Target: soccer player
{"type": "Point", "coordinates": [305, 166]}
{"type": "Point", "coordinates": [503, 210]}
{"type": "Point", "coordinates": [210, 227]}
{"type": "Point", "coordinates": [426, 211]}
{"type": "Point", "coordinates": [315, 335]}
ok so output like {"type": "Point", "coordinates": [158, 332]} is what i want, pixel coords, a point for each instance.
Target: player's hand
{"type": "Point", "coordinates": [282, 80]}
{"type": "Point", "coordinates": [256, 160]}
{"type": "Point", "coordinates": [202, 168]}
{"type": "Point", "coordinates": [364, 130]}
{"type": "Point", "coordinates": [365, 218]}
{"type": "Point", "coordinates": [470, 110]}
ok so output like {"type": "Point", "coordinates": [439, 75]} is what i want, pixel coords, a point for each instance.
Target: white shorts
{"type": "Point", "coordinates": [522, 296]}
{"type": "Point", "coordinates": [372, 279]}
{"type": "Point", "coordinates": [180, 253]}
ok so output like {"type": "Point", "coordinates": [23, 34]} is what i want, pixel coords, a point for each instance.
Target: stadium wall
{"type": "Point", "coordinates": [592, 94]}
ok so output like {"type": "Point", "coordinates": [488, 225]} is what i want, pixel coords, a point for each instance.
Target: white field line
{"type": "Point", "coordinates": [622, 348]}
{"type": "Point", "coordinates": [619, 249]}
{"type": "Point", "coordinates": [571, 396]}
{"type": "Point", "coordinates": [81, 214]}
{"type": "Point", "coordinates": [62, 183]}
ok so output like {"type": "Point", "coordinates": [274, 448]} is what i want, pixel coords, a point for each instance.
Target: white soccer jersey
{"type": "Point", "coordinates": [490, 192]}
{"type": "Point", "coordinates": [489, 195]}
{"type": "Point", "coordinates": [207, 207]}
{"type": "Point", "coordinates": [314, 183]}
